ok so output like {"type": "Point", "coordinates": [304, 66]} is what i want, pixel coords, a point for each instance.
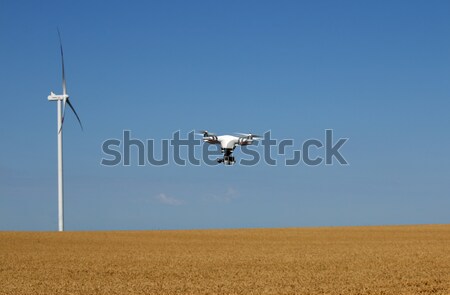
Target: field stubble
{"type": "Point", "coordinates": [328, 260]}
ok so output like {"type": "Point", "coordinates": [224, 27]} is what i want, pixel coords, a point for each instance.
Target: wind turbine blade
{"type": "Point", "coordinates": [64, 85]}
{"type": "Point", "coordinates": [63, 111]}
{"type": "Point", "coordinates": [73, 109]}
{"type": "Point", "coordinates": [62, 64]}
{"type": "Point", "coordinates": [62, 121]}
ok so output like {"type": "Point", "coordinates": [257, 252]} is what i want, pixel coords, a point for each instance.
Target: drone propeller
{"type": "Point", "coordinates": [249, 135]}
{"type": "Point", "coordinates": [205, 133]}
{"type": "Point", "coordinates": [64, 86]}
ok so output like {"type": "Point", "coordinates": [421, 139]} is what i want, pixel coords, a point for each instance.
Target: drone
{"type": "Point", "coordinates": [228, 143]}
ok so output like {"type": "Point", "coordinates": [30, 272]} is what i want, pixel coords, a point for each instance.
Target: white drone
{"type": "Point", "coordinates": [228, 143]}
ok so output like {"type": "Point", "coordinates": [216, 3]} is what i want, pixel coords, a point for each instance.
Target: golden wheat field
{"type": "Point", "coordinates": [332, 260]}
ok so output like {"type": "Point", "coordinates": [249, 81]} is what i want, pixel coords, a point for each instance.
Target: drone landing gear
{"type": "Point", "coordinates": [227, 160]}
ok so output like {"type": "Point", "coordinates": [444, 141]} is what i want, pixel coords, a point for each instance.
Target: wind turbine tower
{"type": "Point", "coordinates": [61, 101]}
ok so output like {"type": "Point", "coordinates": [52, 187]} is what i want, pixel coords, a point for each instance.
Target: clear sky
{"type": "Point", "coordinates": [376, 72]}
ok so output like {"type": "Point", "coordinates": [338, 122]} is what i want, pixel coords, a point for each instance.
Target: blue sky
{"type": "Point", "coordinates": [376, 72]}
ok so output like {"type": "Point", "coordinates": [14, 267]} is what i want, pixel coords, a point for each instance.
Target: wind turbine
{"type": "Point", "coordinates": [61, 100]}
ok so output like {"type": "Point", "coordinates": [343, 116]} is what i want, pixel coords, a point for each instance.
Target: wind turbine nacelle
{"type": "Point", "coordinates": [55, 97]}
